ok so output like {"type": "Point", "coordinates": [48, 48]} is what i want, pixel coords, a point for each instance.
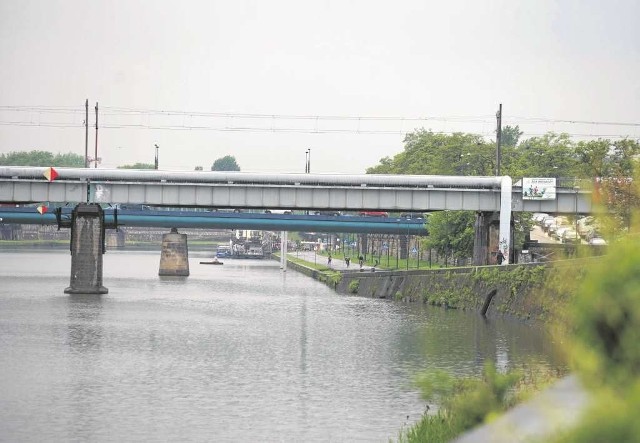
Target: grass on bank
{"type": "Point", "coordinates": [465, 403]}
{"type": "Point", "coordinates": [328, 274]}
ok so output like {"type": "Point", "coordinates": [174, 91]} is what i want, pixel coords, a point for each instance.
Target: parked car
{"type": "Point", "coordinates": [570, 236]}
{"type": "Point", "coordinates": [332, 213]}
{"type": "Point", "coordinates": [412, 215]}
{"type": "Point", "coordinates": [547, 222]}
{"type": "Point", "coordinates": [557, 234]}
{"type": "Point", "coordinates": [374, 214]}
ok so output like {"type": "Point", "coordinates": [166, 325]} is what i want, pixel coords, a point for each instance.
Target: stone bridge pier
{"type": "Point", "coordinates": [87, 246]}
{"type": "Point", "coordinates": [486, 240]}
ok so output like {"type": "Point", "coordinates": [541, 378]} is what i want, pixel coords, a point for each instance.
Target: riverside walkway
{"type": "Point", "coordinates": [544, 416]}
{"type": "Point", "coordinates": [336, 263]}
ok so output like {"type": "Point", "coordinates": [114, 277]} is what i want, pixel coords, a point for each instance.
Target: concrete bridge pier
{"type": "Point", "coordinates": [481, 241]}
{"type": "Point", "coordinates": [174, 259]}
{"type": "Point", "coordinates": [487, 238]}
{"type": "Point", "coordinates": [87, 247]}
{"type": "Point", "coordinates": [115, 239]}
{"type": "Point", "coordinates": [486, 241]}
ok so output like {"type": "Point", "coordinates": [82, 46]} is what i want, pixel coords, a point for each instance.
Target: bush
{"type": "Point", "coordinates": [606, 319]}
{"type": "Point", "coordinates": [605, 337]}
{"type": "Point", "coordinates": [464, 403]}
{"type": "Point", "coordinates": [353, 286]}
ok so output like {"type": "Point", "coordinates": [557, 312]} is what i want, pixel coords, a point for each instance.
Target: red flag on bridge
{"type": "Point", "coordinates": [50, 174]}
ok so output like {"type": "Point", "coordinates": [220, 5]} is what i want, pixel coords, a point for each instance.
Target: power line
{"type": "Point", "coordinates": [123, 111]}
{"type": "Point", "coordinates": [286, 130]}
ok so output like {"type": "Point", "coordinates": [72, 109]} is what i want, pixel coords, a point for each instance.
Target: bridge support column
{"type": "Point", "coordinates": [115, 239]}
{"type": "Point", "coordinates": [87, 247]}
{"type": "Point", "coordinates": [481, 241]}
{"type": "Point", "coordinates": [283, 250]}
{"type": "Point", "coordinates": [174, 259]}
{"type": "Point", "coordinates": [404, 247]}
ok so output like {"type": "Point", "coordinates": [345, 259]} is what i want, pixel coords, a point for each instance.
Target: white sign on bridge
{"type": "Point", "coordinates": [539, 188]}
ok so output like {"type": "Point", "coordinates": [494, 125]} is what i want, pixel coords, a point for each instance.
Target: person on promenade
{"type": "Point", "coordinates": [499, 257]}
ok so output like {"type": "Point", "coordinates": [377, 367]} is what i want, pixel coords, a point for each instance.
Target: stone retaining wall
{"type": "Point", "coordinates": [491, 290]}
{"type": "Point", "coordinates": [518, 290]}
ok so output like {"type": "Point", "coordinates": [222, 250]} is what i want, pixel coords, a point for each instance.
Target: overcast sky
{"type": "Point", "coordinates": [266, 80]}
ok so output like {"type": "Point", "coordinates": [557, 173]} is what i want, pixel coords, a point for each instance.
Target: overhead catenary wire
{"type": "Point", "coordinates": [114, 118]}
{"type": "Point", "coordinates": [110, 110]}
{"type": "Point", "coordinates": [289, 130]}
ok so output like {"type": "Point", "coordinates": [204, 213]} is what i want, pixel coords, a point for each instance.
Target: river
{"type": "Point", "coordinates": [239, 352]}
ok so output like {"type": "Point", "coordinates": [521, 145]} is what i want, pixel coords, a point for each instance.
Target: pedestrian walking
{"type": "Point", "coordinates": [499, 257]}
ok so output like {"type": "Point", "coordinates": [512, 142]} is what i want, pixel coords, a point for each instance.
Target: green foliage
{"type": "Point", "coordinates": [429, 153]}
{"type": "Point", "coordinates": [354, 285]}
{"type": "Point", "coordinates": [551, 155]}
{"type": "Point", "coordinates": [451, 233]}
{"type": "Point", "coordinates": [606, 318]}
{"type": "Point", "coordinates": [333, 277]}
{"type": "Point", "coordinates": [41, 158]}
{"type": "Point", "coordinates": [138, 166]}
{"type": "Point", "coordinates": [510, 136]}
{"type": "Point", "coordinates": [603, 335]}
{"type": "Point", "coordinates": [226, 163]}
{"type": "Point", "coordinates": [464, 403]}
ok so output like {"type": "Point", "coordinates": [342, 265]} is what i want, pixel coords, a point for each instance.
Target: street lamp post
{"type": "Point", "coordinates": [156, 163]}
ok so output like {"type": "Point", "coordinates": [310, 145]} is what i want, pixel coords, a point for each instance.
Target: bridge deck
{"type": "Point", "coordinates": [279, 191]}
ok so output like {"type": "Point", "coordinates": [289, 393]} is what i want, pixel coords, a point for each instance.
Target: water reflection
{"type": "Point", "coordinates": [85, 331]}
{"type": "Point", "coordinates": [85, 335]}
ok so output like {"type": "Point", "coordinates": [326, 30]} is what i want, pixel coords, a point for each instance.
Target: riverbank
{"type": "Point", "coordinates": [532, 291]}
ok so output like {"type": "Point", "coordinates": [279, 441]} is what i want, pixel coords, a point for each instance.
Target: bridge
{"type": "Point", "coordinates": [398, 193]}
{"type": "Point", "coordinates": [200, 189]}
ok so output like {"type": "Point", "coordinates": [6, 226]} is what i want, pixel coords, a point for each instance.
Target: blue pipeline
{"type": "Point", "coordinates": [268, 222]}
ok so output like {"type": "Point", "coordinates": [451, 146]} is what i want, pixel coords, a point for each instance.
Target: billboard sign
{"type": "Point", "coordinates": [543, 188]}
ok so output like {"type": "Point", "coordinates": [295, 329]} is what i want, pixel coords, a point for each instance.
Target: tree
{"type": "Point", "coordinates": [551, 155]}
{"type": "Point", "coordinates": [41, 158]}
{"type": "Point", "coordinates": [429, 153]}
{"type": "Point", "coordinates": [510, 136]}
{"type": "Point", "coordinates": [226, 163]}
{"type": "Point", "coordinates": [451, 233]}
{"type": "Point", "coordinates": [138, 166]}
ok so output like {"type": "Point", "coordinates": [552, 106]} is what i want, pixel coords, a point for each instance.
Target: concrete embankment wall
{"type": "Point", "coordinates": [527, 291]}
{"type": "Point", "coordinates": [492, 290]}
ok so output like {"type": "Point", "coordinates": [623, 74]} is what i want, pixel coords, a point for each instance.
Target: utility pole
{"type": "Point", "coordinates": [156, 163]}
{"type": "Point", "coordinates": [308, 170]}
{"type": "Point", "coordinates": [498, 139]}
{"type": "Point", "coordinates": [96, 153]}
{"type": "Point", "coordinates": [86, 133]}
